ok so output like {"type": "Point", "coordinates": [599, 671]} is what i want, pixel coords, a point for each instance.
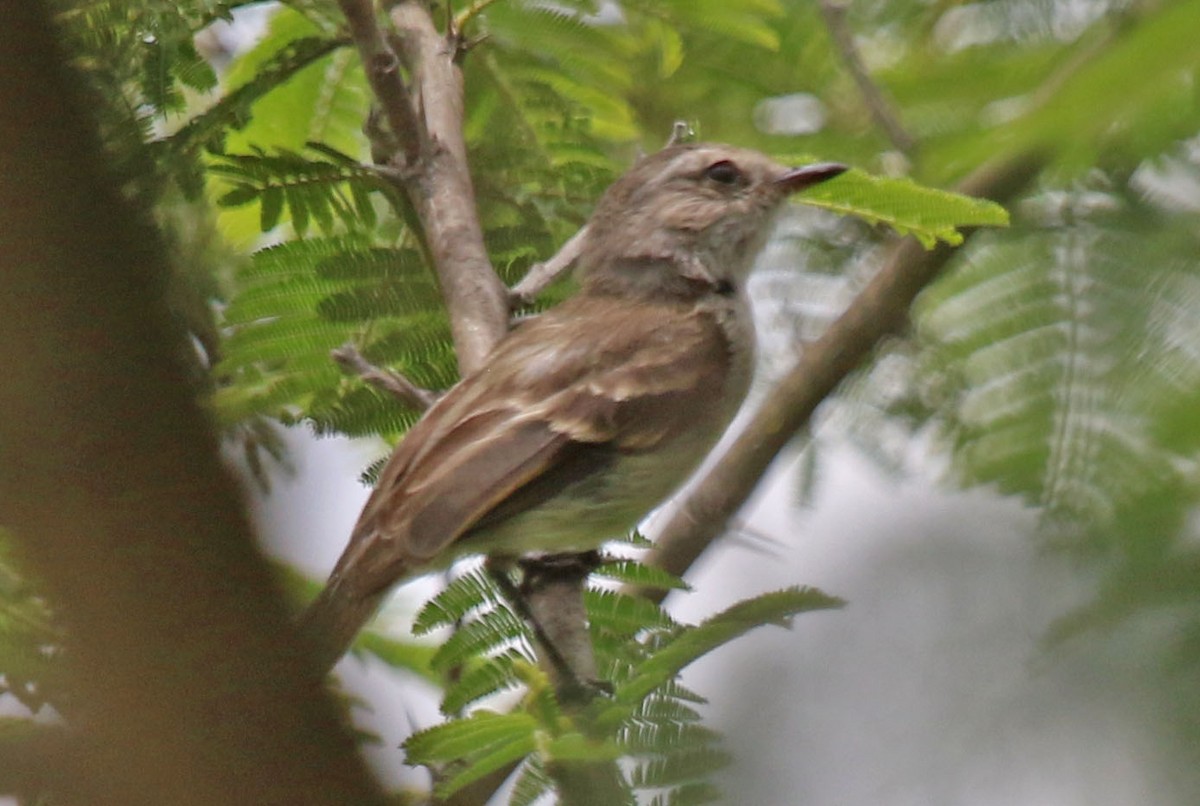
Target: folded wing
{"type": "Point", "coordinates": [536, 418]}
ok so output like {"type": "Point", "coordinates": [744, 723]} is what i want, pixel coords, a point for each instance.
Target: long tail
{"type": "Point", "coordinates": [335, 617]}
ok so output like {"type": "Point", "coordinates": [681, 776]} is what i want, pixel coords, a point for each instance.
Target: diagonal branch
{"type": "Point", "coordinates": [543, 274]}
{"type": "Point", "coordinates": [352, 361]}
{"type": "Point", "coordinates": [383, 74]}
{"type": "Point", "coordinates": [885, 117]}
{"type": "Point", "coordinates": [879, 311]}
{"type": "Point", "coordinates": [464, 17]}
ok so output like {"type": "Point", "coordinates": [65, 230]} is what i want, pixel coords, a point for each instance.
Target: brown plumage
{"type": "Point", "coordinates": [588, 416]}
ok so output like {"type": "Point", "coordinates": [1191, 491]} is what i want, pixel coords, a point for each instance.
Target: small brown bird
{"type": "Point", "coordinates": [588, 416]}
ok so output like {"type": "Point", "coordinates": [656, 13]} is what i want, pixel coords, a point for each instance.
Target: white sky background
{"type": "Point", "coordinates": [929, 688]}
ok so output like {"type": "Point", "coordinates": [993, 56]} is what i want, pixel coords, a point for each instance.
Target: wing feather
{"type": "Point", "coordinates": [557, 397]}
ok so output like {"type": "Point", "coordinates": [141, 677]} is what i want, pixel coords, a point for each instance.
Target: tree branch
{"type": "Point", "coordinates": [437, 181]}
{"type": "Point", "coordinates": [543, 274]}
{"type": "Point", "coordinates": [441, 191]}
{"type": "Point", "coordinates": [879, 311]}
{"type": "Point", "coordinates": [383, 74]}
{"type": "Point", "coordinates": [834, 12]}
{"type": "Point", "coordinates": [352, 361]}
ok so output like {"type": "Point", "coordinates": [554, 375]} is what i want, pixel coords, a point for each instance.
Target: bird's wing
{"type": "Point", "coordinates": [556, 401]}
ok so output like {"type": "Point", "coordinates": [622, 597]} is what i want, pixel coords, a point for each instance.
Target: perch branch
{"type": "Point", "coordinates": [352, 361]}
{"type": "Point", "coordinates": [834, 12]}
{"type": "Point", "coordinates": [879, 311]}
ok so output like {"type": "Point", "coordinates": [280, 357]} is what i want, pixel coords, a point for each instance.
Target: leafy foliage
{"type": "Point", "coordinates": [648, 718]}
{"type": "Point", "coordinates": [334, 190]}
{"type": "Point", "coordinates": [303, 298]}
{"type": "Point", "coordinates": [1055, 367]}
{"type": "Point", "coordinates": [210, 128]}
{"type": "Point", "coordinates": [140, 63]}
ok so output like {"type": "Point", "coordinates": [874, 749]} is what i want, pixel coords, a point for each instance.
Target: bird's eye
{"type": "Point", "coordinates": [724, 172]}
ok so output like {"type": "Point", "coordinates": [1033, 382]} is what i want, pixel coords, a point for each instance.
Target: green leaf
{"type": "Point", "coordinates": [398, 654]}
{"type": "Point", "coordinates": [312, 188]}
{"type": "Point", "coordinates": [31, 668]}
{"type": "Point", "coordinates": [299, 300]}
{"type": "Point", "coordinates": [298, 209]}
{"type": "Point", "coordinates": [500, 756]}
{"type": "Point", "coordinates": [666, 706]}
{"type": "Point", "coordinates": [575, 747]}
{"type": "Point", "coordinates": [466, 593]}
{"type": "Point", "coordinates": [928, 214]}
{"type": "Point", "coordinates": [624, 614]}
{"type": "Point", "coordinates": [471, 737]}
{"type": "Point", "coordinates": [664, 736]}
{"type": "Point", "coordinates": [242, 194]}
{"type": "Point", "coordinates": [324, 98]}
{"type": "Point", "coordinates": [770, 608]}
{"type": "Point", "coordinates": [747, 21]}
{"type": "Point", "coordinates": [631, 572]}
{"type": "Point", "coordinates": [689, 794]}
{"type": "Point", "coordinates": [271, 207]}
{"type": "Point", "coordinates": [488, 631]}
{"type": "Point", "coordinates": [1131, 100]}
{"type": "Point", "coordinates": [211, 127]}
{"type": "Point", "coordinates": [482, 678]}
{"type": "Point", "coordinates": [1053, 354]}
{"type": "Point", "coordinates": [679, 767]}
{"type": "Point", "coordinates": [532, 783]}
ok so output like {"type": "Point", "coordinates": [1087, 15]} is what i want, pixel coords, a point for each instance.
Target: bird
{"type": "Point", "coordinates": [586, 417]}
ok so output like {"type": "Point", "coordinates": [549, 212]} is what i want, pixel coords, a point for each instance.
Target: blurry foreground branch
{"type": "Point", "coordinates": [187, 689]}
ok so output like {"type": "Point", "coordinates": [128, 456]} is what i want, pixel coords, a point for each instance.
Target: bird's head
{"type": "Point", "coordinates": [687, 216]}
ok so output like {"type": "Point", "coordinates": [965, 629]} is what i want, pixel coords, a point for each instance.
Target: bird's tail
{"type": "Point", "coordinates": [335, 617]}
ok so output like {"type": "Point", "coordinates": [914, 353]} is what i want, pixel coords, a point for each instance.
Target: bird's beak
{"type": "Point", "coordinates": [800, 178]}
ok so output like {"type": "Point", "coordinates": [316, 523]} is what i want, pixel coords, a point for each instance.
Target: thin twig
{"type": "Point", "coordinates": [383, 74]}
{"type": "Point", "coordinates": [834, 12]}
{"type": "Point", "coordinates": [879, 311]}
{"type": "Point", "coordinates": [471, 12]}
{"type": "Point", "coordinates": [351, 360]}
{"type": "Point", "coordinates": [543, 274]}
{"type": "Point", "coordinates": [1082, 56]}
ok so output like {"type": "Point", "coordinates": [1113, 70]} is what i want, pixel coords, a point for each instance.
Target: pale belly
{"type": "Point", "coordinates": [611, 502]}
